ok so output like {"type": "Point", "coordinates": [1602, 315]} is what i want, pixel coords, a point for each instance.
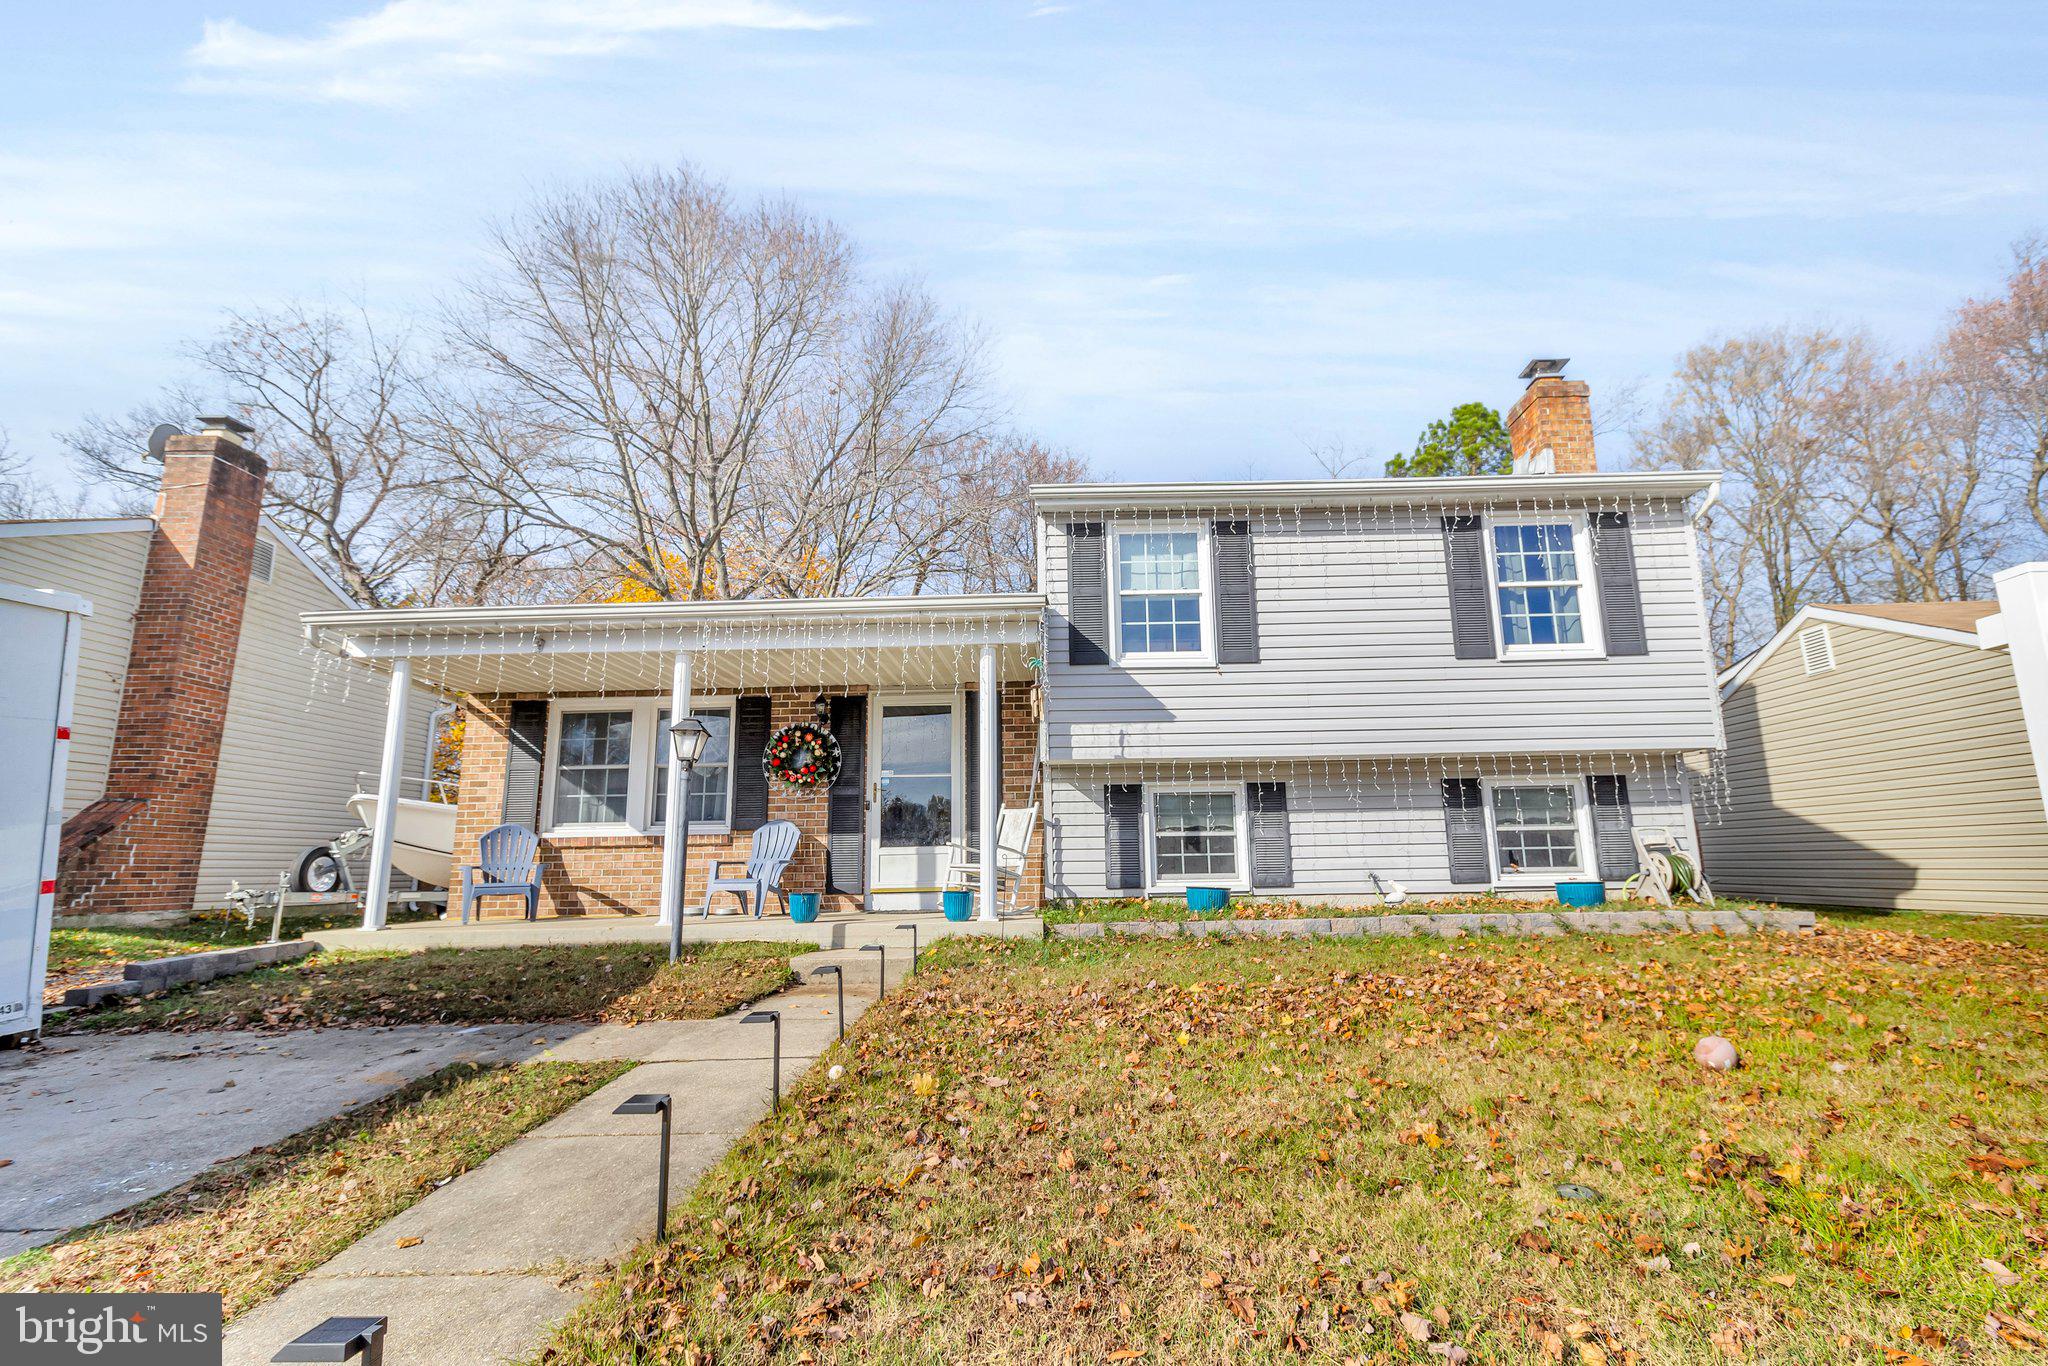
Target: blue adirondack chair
{"type": "Point", "coordinates": [774, 846]}
{"type": "Point", "coordinates": [507, 864]}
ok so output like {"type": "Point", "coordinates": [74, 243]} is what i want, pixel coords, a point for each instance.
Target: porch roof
{"type": "Point", "coordinates": [825, 643]}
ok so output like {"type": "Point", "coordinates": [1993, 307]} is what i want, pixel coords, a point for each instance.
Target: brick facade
{"type": "Point", "coordinates": [181, 662]}
{"type": "Point", "coordinates": [1557, 413]}
{"type": "Point", "coordinates": [621, 874]}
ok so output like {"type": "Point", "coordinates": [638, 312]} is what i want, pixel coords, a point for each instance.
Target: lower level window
{"type": "Point", "coordinates": [1535, 828]}
{"type": "Point", "coordinates": [1195, 836]}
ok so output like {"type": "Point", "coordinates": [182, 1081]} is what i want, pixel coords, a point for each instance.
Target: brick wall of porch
{"type": "Point", "coordinates": [621, 874]}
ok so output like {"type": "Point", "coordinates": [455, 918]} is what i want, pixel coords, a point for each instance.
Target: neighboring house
{"type": "Point", "coordinates": [208, 745]}
{"type": "Point", "coordinates": [1880, 755]}
{"type": "Point", "coordinates": [1293, 689]}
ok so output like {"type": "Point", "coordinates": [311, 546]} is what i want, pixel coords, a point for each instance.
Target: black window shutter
{"type": "Point", "coordinates": [1272, 841]}
{"type": "Point", "coordinates": [1612, 826]}
{"type": "Point", "coordinates": [1237, 610]}
{"type": "Point", "coordinates": [1471, 612]}
{"type": "Point", "coordinates": [1465, 830]}
{"type": "Point", "coordinates": [526, 752]}
{"type": "Point", "coordinates": [1123, 859]}
{"type": "Point", "coordinates": [1621, 596]}
{"type": "Point", "coordinates": [1087, 594]}
{"type": "Point", "coordinates": [846, 832]}
{"type": "Point", "coordinates": [749, 783]}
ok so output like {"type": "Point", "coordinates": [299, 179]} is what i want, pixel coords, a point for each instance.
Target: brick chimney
{"type": "Point", "coordinates": [181, 660]}
{"type": "Point", "coordinates": [1553, 414]}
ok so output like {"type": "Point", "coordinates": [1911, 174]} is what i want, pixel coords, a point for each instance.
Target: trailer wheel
{"type": "Point", "coordinates": [319, 870]}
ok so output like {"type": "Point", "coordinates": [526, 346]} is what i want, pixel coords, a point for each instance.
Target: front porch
{"type": "Point", "coordinates": [931, 704]}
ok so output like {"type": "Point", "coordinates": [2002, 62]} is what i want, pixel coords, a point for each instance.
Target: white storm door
{"type": "Point", "coordinates": [917, 808]}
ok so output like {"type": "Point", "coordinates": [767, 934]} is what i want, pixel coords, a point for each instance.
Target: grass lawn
{"type": "Point", "coordinates": [250, 1226]}
{"type": "Point", "coordinates": [619, 982]}
{"type": "Point", "coordinates": [1216, 1150]}
{"type": "Point", "coordinates": [81, 956]}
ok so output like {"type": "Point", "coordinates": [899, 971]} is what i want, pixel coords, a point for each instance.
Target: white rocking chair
{"type": "Point", "coordinates": [1013, 845]}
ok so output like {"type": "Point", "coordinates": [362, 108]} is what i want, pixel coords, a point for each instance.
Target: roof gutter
{"type": "Point", "coordinates": [1296, 493]}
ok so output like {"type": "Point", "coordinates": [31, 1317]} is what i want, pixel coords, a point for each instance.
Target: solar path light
{"type": "Point", "coordinates": [339, 1339]}
{"type": "Point", "coordinates": [772, 1017]}
{"type": "Point", "coordinates": [881, 968]}
{"type": "Point", "coordinates": [839, 978]}
{"type": "Point", "coordinates": [650, 1104]}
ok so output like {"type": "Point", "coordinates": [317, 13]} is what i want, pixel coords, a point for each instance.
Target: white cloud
{"type": "Point", "coordinates": [405, 47]}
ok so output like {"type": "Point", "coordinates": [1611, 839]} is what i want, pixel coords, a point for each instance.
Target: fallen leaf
{"type": "Point", "coordinates": [1998, 1271]}
{"type": "Point", "coordinates": [410, 1242]}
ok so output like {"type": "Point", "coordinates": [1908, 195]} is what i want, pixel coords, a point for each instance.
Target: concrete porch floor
{"type": "Point", "coordinates": [841, 930]}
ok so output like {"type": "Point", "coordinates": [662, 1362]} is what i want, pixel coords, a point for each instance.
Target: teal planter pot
{"type": "Point", "coordinates": [1581, 893]}
{"type": "Point", "coordinates": [803, 907]}
{"type": "Point", "coordinates": [1204, 900]}
{"type": "Point", "coordinates": [959, 905]}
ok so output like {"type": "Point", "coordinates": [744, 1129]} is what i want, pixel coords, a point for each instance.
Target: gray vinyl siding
{"type": "Point", "coordinates": [1901, 778]}
{"type": "Point", "coordinates": [1342, 825]}
{"type": "Point", "coordinates": [1356, 658]}
{"type": "Point", "coordinates": [299, 728]}
{"type": "Point", "coordinates": [105, 568]}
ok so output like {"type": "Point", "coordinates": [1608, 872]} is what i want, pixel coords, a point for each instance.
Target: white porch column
{"type": "Point", "coordinates": [673, 872]}
{"type": "Point", "coordinates": [2023, 605]}
{"type": "Point", "coordinates": [991, 790]}
{"type": "Point", "coordinates": [390, 771]}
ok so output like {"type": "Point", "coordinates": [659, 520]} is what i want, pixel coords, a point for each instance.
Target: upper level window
{"type": "Point", "coordinates": [1541, 594]}
{"type": "Point", "coordinates": [1159, 594]}
{"type": "Point", "coordinates": [710, 780]}
{"type": "Point", "coordinates": [593, 768]}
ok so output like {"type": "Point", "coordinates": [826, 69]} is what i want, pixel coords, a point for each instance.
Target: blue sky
{"type": "Point", "coordinates": [1198, 236]}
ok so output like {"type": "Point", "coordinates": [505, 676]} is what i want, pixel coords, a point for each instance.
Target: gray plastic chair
{"type": "Point", "coordinates": [774, 847]}
{"type": "Point", "coordinates": [507, 864]}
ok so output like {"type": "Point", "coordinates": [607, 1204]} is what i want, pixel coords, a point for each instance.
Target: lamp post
{"type": "Point", "coordinates": [832, 969]}
{"type": "Point", "coordinates": [687, 737]}
{"type": "Point", "coordinates": [771, 1017]}
{"type": "Point", "coordinates": [653, 1104]}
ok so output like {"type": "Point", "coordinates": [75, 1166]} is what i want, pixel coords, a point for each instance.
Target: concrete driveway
{"type": "Point", "coordinates": [91, 1124]}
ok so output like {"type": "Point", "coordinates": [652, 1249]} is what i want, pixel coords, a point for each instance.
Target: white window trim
{"type": "Point", "coordinates": [640, 767]}
{"type": "Point", "coordinates": [1205, 569]}
{"type": "Point", "coordinates": [1240, 881]}
{"type": "Point", "coordinates": [1582, 815]}
{"type": "Point", "coordinates": [1595, 644]}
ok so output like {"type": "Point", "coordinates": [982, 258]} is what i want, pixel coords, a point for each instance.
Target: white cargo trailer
{"type": "Point", "coordinates": [40, 628]}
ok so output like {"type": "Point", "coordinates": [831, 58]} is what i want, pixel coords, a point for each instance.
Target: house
{"type": "Point", "coordinates": [1296, 689]}
{"type": "Point", "coordinates": [208, 745]}
{"type": "Point", "coordinates": [1451, 684]}
{"type": "Point", "coordinates": [1891, 755]}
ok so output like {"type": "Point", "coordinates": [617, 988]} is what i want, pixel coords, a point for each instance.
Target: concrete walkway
{"type": "Point", "coordinates": [836, 930]}
{"type": "Point", "coordinates": [508, 1249]}
{"type": "Point", "coordinates": [91, 1124]}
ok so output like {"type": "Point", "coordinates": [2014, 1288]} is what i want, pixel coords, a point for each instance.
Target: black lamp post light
{"type": "Point", "coordinates": [881, 968]}
{"type": "Point", "coordinates": [687, 737]}
{"type": "Point", "coordinates": [651, 1104]}
{"type": "Point", "coordinates": [773, 1017]}
{"type": "Point", "coordinates": [839, 978]}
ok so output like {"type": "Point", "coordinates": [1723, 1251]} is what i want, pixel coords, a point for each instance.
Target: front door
{"type": "Point", "coordinates": [915, 804]}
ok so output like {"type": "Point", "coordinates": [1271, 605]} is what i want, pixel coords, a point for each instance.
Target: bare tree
{"type": "Point", "coordinates": [710, 399]}
{"type": "Point", "coordinates": [24, 493]}
{"type": "Point", "coordinates": [1757, 407]}
{"type": "Point", "coordinates": [2000, 346]}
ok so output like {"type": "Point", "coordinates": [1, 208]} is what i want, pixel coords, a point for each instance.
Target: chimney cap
{"type": "Point", "coordinates": [220, 424]}
{"type": "Point", "coordinates": [1541, 367]}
